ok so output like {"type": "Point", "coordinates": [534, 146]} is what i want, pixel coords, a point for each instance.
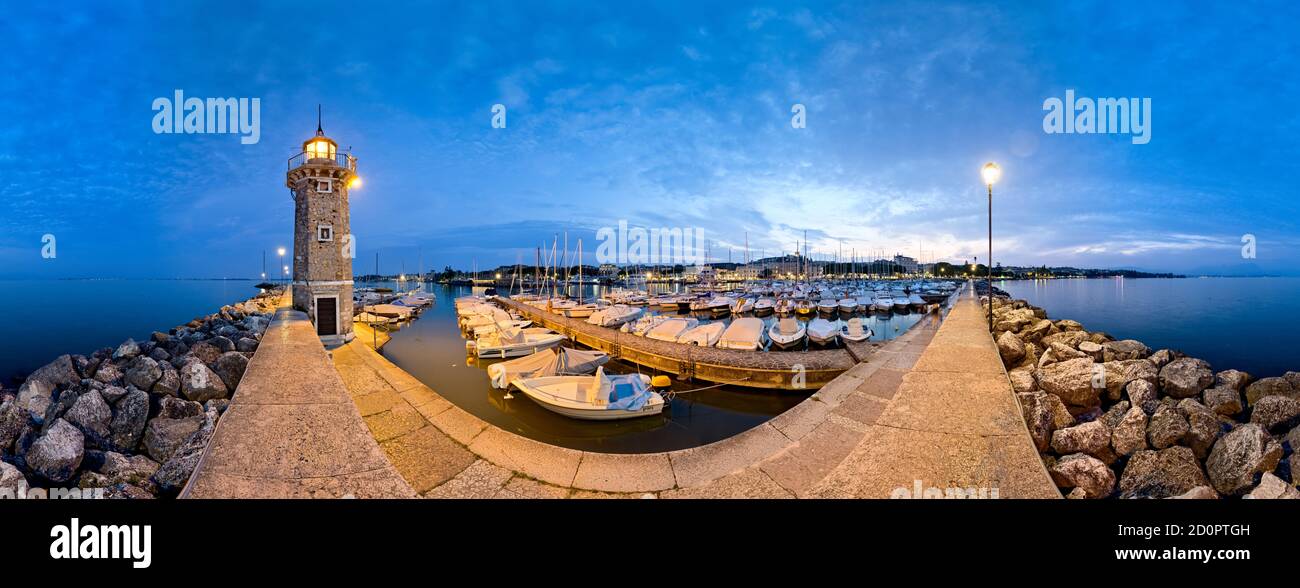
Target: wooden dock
{"type": "Point", "coordinates": [781, 370]}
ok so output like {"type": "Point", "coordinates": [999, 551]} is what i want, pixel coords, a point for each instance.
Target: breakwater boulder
{"type": "Point", "coordinates": [1114, 419]}
{"type": "Point", "coordinates": [133, 419]}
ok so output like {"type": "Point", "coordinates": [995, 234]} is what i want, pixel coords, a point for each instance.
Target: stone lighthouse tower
{"type": "Point", "coordinates": [319, 178]}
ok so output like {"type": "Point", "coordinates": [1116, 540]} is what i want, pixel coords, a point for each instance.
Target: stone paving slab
{"type": "Point", "coordinates": [292, 429]}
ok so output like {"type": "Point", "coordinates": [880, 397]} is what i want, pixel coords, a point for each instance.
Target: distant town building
{"type": "Point", "coordinates": [609, 270]}
{"type": "Point", "coordinates": [907, 264]}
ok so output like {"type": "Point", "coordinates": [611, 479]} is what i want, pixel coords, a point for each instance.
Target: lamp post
{"type": "Point", "coordinates": [991, 173]}
{"type": "Point", "coordinates": [280, 252]}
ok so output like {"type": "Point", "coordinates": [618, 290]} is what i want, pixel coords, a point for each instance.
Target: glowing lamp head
{"type": "Point", "coordinates": [280, 251]}
{"type": "Point", "coordinates": [354, 183]}
{"type": "Point", "coordinates": [991, 173]}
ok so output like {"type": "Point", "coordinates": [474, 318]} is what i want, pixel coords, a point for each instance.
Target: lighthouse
{"type": "Point", "coordinates": [319, 179]}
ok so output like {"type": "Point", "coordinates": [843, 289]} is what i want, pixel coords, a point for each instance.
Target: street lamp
{"type": "Point", "coordinates": [991, 173]}
{"type": "Point", "coordinates": [280, 252]}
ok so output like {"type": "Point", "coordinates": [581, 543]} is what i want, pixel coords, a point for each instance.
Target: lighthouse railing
{"type": "Point", "coordinates": [345, 160]}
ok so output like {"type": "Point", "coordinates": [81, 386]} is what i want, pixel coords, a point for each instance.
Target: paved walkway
{"type": "Point", "coordinates": [932, 405]}
{"type": "Point", "coordinates": [292, 430]}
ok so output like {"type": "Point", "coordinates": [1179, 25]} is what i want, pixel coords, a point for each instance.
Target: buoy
{"type": "Point", "coordinates": [661, 382]}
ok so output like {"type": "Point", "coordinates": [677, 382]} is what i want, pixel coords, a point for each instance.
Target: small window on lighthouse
{"type": "Point", "coordinates": [324, 232]}
{"type": "Point", "coordinates": [324, 185]}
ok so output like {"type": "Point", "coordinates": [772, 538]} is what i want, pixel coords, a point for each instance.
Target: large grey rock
{"type": "Point", "coordinates": [1036, 408]}
{"type": "Point", "coordinates": [162, 436]}
{"type": "Point", "coordinates": [205, 352]}
{"type": "Point", "coordinates": [199, 383]}
{"type": "Point", "coordinates": [1203, 426]}
{"type": "Point", "coordinates": [1269, 387]}
{"type": "Point", "coordinates": [1130, 434]}
{"type": "Point", "coordinates": [1198, 493]}
{"type": "Point", "coordinates": [143, 373]}
{"type": "Point", "coordinates": [230, 367]}
{"type": "Point", "coordinates": [129, 417]}
{"type": "Point", "coordinates": [1167, 427]}
{"type": "Point", "coordinates": [222, 344]}
{"type": "Point", "coordinates": [1126, 349]}
{"type": "Point", "coordinates": [1071, 381]}
{"type": "Point", "coordinates": [129, 349]}
{"type": "Point", "coordinates": [1085, 472]}
{"type": "Point", "coordinates": [13, 421]}
{"type": "Point", "coordinates": [37, 392]}
{"type": "Point", "coordinates": [1011, 348]}
{"type": "Point", "coordinates": [63, 401]}
{"type": "Point", "coordinates": [1185, 377]}
{"type": "Point", "coordinates": [169, 384]}
{"type": "Point", "coordinates": [1234, 379]}
{"type": "Point", "coordinates": [246, 345]}
{"type": "Point", "coordinates": [127, 469]}
{"type": "Point", "coordinates": [91, 415]}
{"type": "Point", "coordinates": [1142, 394]}
{"type": "Point", "coordinates": [57, 454]}
{"type": "Point", "coordinates": [1162, 357]}
{"type": "Point", "coordinates": [173, 474]}
{"type": "Point", "coordinates": [1223, 400]}
{"type": "Point", "coordinates": [1161, 474]}
{"type": "Point", "coordinates": [12, 481]}
{"type": "Point", "coordinates": [1276, 414]}
{"type": "Point", "coordinates": [1092, 438]}
{"type": "Point", "coordinates": [1238, 458]}
{"type": "Point", "coordinates": [1272, 487]}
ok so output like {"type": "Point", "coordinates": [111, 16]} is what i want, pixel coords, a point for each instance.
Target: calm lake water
{"type": "Point", "coordinates": [1248, 324]}
{"type": "Point", "coordinates": [47, 318]}
{"type": "Point", "coordinates": [432, 349]}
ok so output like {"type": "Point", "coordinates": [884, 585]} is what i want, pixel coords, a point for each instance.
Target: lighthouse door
{"type": "Point", "coordinates": [327, 322]}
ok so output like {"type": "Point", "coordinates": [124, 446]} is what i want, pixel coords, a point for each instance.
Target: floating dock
{"type": "Point", "coordinates": [780, 370]}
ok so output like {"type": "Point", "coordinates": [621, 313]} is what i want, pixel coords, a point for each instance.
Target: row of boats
{"type": "Point", "coordinates": [569, 382]}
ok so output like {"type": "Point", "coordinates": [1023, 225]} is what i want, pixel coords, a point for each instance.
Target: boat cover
{"type": "Point", "coordinates": [547, 362]}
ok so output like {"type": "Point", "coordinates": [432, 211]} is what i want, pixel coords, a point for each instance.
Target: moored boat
{"type": "Point", "coordinates": [599, 397]}
{"type": "Point", "coordinates": [786, 333]}
{"type": "Point", "coordinates": [822, 332]}
{"type": "Point", "coordinates": [745, 333]}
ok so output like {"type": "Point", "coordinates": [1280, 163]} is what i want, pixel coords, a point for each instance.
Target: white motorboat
{"type": "Point", "coordinates": [828, 306]}
{"type": "Point", "coordinates": [848, 305]}
{"type": "Point", "coordinates": [664, 302]}
{"type": "Point", "coordinates": [643, 324]}
{"type": "Point", "coordinates": [764, 306]}
{"type": "Point", "coordinates": [916, 302]}
{"type": "Point", "coordinates": [485, 330]}
{"type": "Point", "coordinates": [508, 342]}
{"type": "Point", "coordinates": [483, 316]}
{"type": "Point", "coordinates": [598, 397]}
{"type": "Point", "coordinates": [883, 304]}
{"type": "Point", "coordinates": [786, 333]}
{"type": "Point", "coordinates": [804, 307]}
{"type": "Point", "coordinates": [718, 305]}
{"type": "Point", "coordinates": [390, 310]}
{"type": "Point", "coordinates": [704, 335]}
{"type": "Point", "coordinates": [615, 316]}
{"type": "Point", "coordinates": [822, 331]}
{"type": "Point", "coordinates": [559, 305]}
{"type": "Point", "coordinates": [745, 333]}
{"type": "Point", "coordinates": [855, 330]}
{"type": "Point", "coordinates": [900, 300]}
{"type": "Point", "coordinates": [671, 329]}
{"type": "Point", "coordinates": [742, 305]}
{"type": "Point", "coordinates": [374, 319]}
{"type": "Point", "coordinates": [584, 310]}
{"type": "Point", "coordinates": [559, 361]}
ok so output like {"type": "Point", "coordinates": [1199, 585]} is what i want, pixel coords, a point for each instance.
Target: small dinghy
{"type": "Point", "coordinates": [483, 316]}
{"type": "Point", "coordinates": [855, 330]}
{"type": "Point", "coordinates": [671, 329]}
{"type": "Point", "coordinates": [848, 305]}
{"type": "Point", "coordinates": [786, 333]}
{"type": "Point", "coordinates": [597, 398]}
{"type": "Point", "coordinates": [764, 306]}
{"type": "Point", "coordinates": [374, 319]}
{"type": "Point", "coordinates": [804, 307]}
{"type": "Point", "coordinates": [743, 333]}
{"type": "Point", "coordinates": [828, 306]}
{"type": "Point", "coordinates": [703, 335]}
{"type": "Point", "coordinates": [822, 331]}
{"type": "Point", "coordinates": [390, 310]}
{"type": "Point", "coordinates": [511, 342]}
{"type": "Point", "coordinates": [883, 304]}
{"type": "Point", "coordinates": [560, 361]}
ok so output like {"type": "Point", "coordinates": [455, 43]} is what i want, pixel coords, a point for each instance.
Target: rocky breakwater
{"type": "Point", "coordinates": [1116, 419]}
{"type": "Point", "coordinates": [134, 420]}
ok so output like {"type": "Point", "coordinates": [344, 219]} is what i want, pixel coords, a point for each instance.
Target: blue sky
{"type": "Point", "coordinates": [662, 114]}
